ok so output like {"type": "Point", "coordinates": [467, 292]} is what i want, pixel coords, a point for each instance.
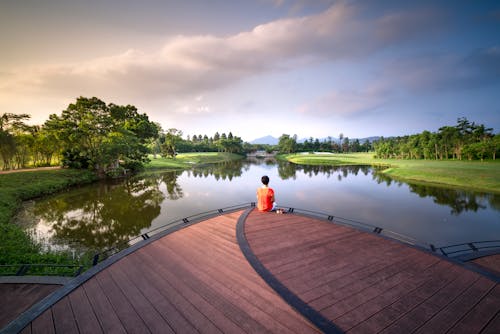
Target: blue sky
{"type": "Point", "coordinates": [264, 67]}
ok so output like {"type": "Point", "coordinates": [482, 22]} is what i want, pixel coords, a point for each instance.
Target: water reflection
{"type": "Point", "coordinates": [103, 215]}
{"type": "Point", "coordinates": [289, 171]}
{"type": "Point", "coordinates": [222, 171]}
{"type": "Point", "coordinates": [459, 201]}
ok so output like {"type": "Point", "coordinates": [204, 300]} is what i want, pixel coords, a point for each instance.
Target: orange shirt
{"type": "Point", "coordinates": [265, 199]}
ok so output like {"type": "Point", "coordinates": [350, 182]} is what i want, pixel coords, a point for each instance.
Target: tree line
{"type": "Point", "coordinates": [465, 140]}
{"type": "Point", "coordinates": [90, 134]}
{"type": "Point", "coordinates": [289, 144]}
{"type": "Point", "coordinates": [171, 142]}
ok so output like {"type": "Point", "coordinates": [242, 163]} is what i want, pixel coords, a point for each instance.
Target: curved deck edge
{"type": "Point", "coordinates": [18, 324]}
{"type": "Point", "coordinates": [293, 300]}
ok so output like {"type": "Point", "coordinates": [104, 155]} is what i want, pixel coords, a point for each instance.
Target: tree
{"type": "Point", "coordinates": [10, 126]}
{"type": "Point", "coordinates": [287, 144]}
{"type": "Point", "coordinates": [102, 137]}
{"type": "Point", "coordinates": [172, 138]}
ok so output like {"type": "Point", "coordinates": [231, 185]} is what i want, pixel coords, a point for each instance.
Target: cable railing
{"type": "Point", "coordinates": [41, 269]}
{"type": "Point", "coordinates": [362, 226]}
{"type": "Point", "coordinates": [463, 251]}
{"type": "Point", "coordinates": [468, 248]}
{"type": "Point", "coordinates": [178, 223]}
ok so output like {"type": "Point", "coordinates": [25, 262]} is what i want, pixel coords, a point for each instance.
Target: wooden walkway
{"type": "Point", "coordinates": [367, 284]}
{"type": "Point", "coordinates": [198, 280]}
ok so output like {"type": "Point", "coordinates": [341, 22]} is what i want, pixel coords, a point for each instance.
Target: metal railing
{"type": "Point", "coordinates": [362, 226]}
{"type": "Point", "coordinates": [453, 251]}
{"type": "Point", "coordinates": [467, 248]}
{"type": "Point", "coordinates": [98, 257]}
{"type": "Point", "coordinates": [40, 269]}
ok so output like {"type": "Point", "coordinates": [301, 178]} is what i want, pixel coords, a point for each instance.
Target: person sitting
{"type": "Point", "coordinates": [265, 196]}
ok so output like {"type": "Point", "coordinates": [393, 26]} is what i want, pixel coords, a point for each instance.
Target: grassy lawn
{"type": "Point", "coordinates": [188, 160]}
{"type": "Point", "coordinates": [474, 175]}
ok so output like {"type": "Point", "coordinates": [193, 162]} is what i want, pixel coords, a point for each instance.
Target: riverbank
{"type": "Point", "coordinates": [17, 186]}
{"type": "Point", "coordinates": [472, 175]}
{"type": "Point", "coordinates": [189, 160]}
{"type": "Point", "coordinates": [15, 245]}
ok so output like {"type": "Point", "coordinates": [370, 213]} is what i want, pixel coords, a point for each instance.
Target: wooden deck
{"type": "Point", "coordinates": [16, 298]}
{"type": "Point", "coordinates": [198, 280]}
{"type": "Point", "coordinates": [367, 284]}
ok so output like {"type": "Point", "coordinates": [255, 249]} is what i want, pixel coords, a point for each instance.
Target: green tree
{"type": "Point", "coordinates": [10, 126]}
{"type": "Point", "coordinates": [172, 138]}
{"type": "Point", "coordinates": [287, 144]}
{"type": "Point", "coordinates": [102, 137]}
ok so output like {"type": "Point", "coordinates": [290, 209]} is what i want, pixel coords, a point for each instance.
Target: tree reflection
{"type": "Point", "coordinates": [225, 170]}
{"type": "Point", "coordinates": [106, 215]}
{"type": "Point", "coordinates": [288, 170]}
{"type": "Point", "coordinates": [458, 200]}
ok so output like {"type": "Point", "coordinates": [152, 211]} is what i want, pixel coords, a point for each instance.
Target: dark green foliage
{"type": "Point", "coordinates": [464, 141]}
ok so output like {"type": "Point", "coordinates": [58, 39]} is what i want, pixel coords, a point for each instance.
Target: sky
{"type": "Point", "coordinates": [314, 68]}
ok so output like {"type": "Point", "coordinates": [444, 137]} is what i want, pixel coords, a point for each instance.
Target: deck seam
{"type": "Point", "coordinates": [293, 300]}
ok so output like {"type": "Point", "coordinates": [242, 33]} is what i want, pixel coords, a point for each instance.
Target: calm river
{"type": "Point", "coordinates": [98, 216]}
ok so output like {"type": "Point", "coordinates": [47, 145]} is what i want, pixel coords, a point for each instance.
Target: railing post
{"type": "Point", "coordinates": [95, 260]}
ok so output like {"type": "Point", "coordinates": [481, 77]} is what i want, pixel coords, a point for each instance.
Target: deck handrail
{"type": "Point", "coordinates": [458, 250]}
{"type": "Point", "coordinates": [467, 251]}
{"type": "Point", "coordinates": [100, 256]}
{"type": "Point", "coordinates": [22, 269]}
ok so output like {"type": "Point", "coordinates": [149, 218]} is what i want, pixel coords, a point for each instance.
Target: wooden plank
{"type": "Point", "coordinates": [125, 311]}
{"type": "Point", "coordinates": [44, 324]}
{"type": "Point", "coordinates": [444, 273]}
{"type": "Point", "coordinates": [481, 314]}
{"type": "Point", "coordinates": [153, 254]}
{"type": "Point", "coordinates": [150, 316]}
{"type": "Point", "coordinates": [427, 309]}
{"type": "Point", "coordinates": [493, 327]}
{"type": "Point", "coordinates": [359, 281]}
{"type": "Point", "coordinates": [237, 291]}
{"type": "Point", "coordinates": [171, 293]}
{"type": "Point", "coordinates": [64, 320]}
{"type": "Point", "coordinates": [227, 303]}
{"type": "Point", "coordinates": [106, 315]}
{"type": "Point", "coordinates": [18, 297]}
{"type": "Point", "coordinates": [161, 304]}
{"type": "Point", "coordinates": [83, 312]}
{"type": "Point", "coordinates": [450, 315]}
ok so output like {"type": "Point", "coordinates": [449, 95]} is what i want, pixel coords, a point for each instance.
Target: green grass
{"type": "Point", "coordinates": [15, 245]}
{"type": "Point", "coordinates": [188, 160]}
{"type": "Point", "coordinates": [474, 175]}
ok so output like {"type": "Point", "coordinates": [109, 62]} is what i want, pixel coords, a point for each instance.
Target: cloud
{"type": "Point", "coordinates": [438, 73]}
{"type": "Point", "coordinates": [187, 66]}
{"type": "Point", "coordinates": [345, 103]}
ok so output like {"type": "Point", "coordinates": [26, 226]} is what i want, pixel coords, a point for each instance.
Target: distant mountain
{"type": "Point", "coordinates": [268, 140]}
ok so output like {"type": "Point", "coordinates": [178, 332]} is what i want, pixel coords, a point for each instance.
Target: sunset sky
{"type": "Point", "coordinates": [263, 67]}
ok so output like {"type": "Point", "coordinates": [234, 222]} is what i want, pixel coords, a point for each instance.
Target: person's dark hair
{"type": "Point", "coordinates": [265, 179]}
